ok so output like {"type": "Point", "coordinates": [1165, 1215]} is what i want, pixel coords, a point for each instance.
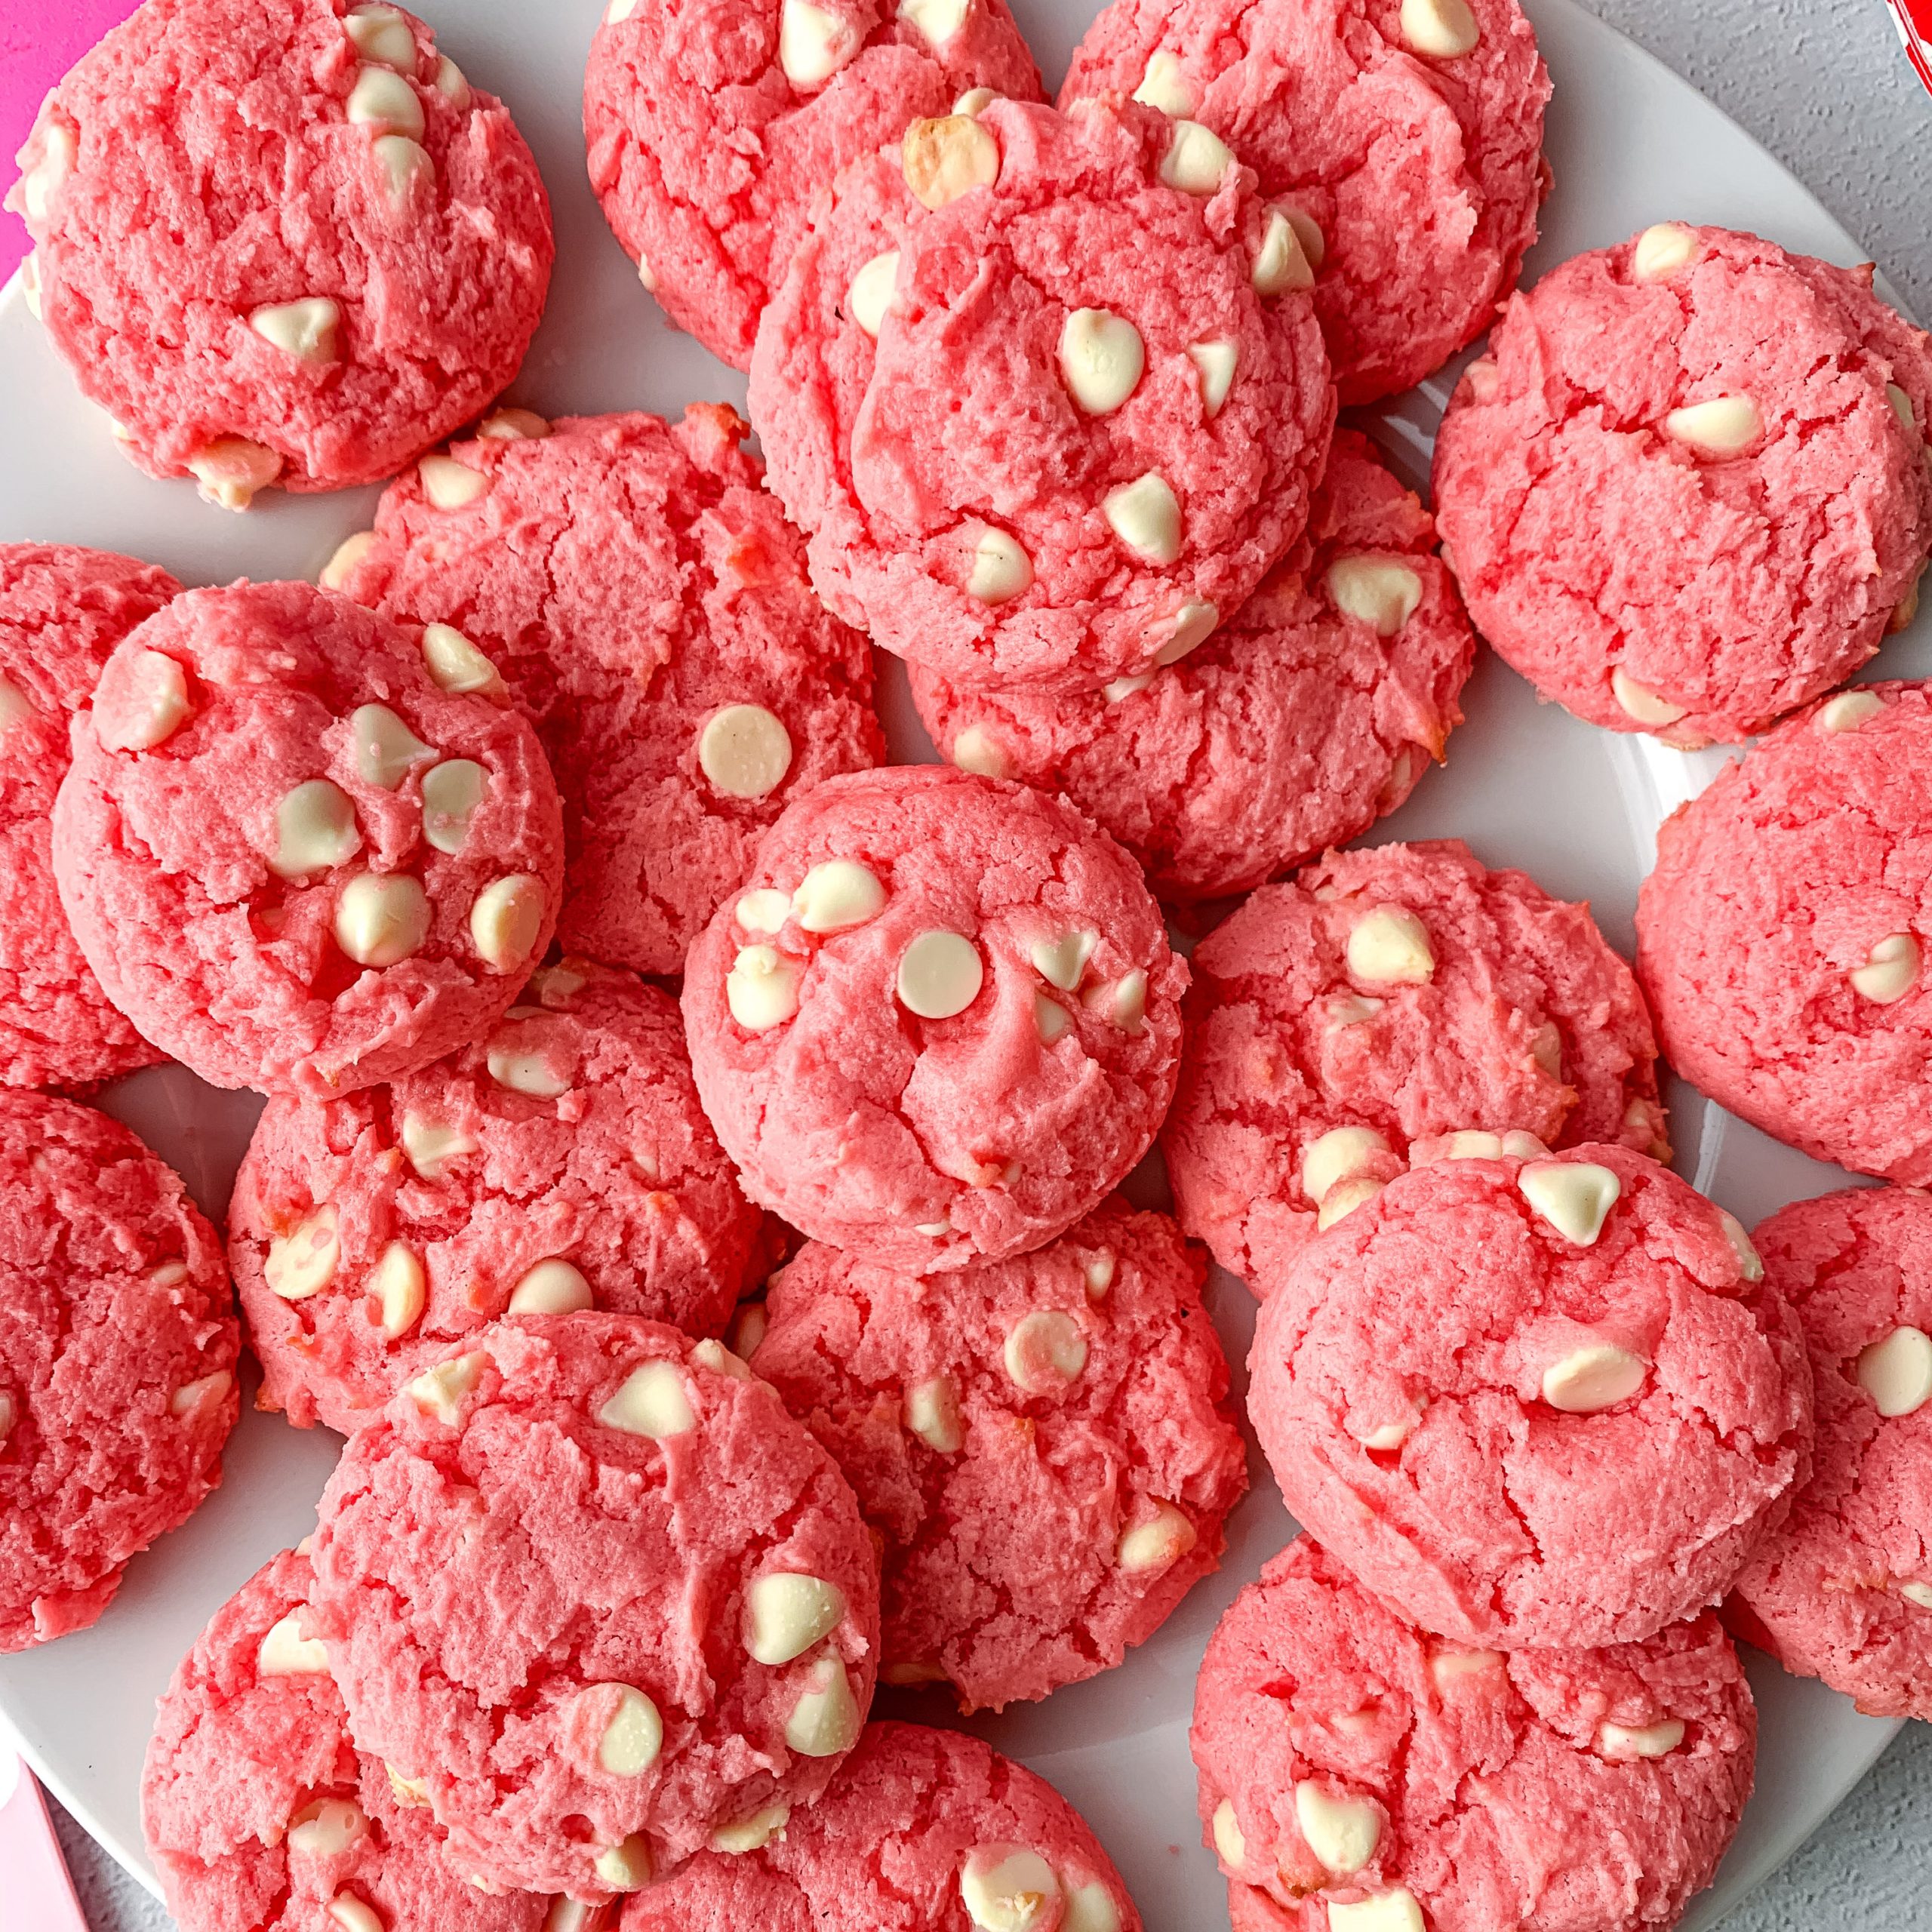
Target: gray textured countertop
{"type": "Point", "coordinates": [1821, 83]}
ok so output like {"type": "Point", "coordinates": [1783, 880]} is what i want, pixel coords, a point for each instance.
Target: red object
{"type": "Point", "coordinates": [1915, 24]}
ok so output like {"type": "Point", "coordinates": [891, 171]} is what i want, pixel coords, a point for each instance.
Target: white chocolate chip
{"type": "Point", "coordinates": [1574, 1197]}
{"type": "Point", "coordinates": [1471, 1144]}
{"type": "Point", "coordinates": [1342, 1832]}
{"type": "Point", "coordinates": [401, 163]}
{"type": "Point", "coordinates": [1640, 702]}
{"type": "Point", "coordinates": [1196, 159]}
{"type": "Point", "coordinates": [939, 975]}
{"type": "Point", "coordinates": [302, 1262]}
{"type": "Point", "coordinates": [974, 750]}
{"type": "Point", "coordinates": [1001, 569]}
{"type": "Point", "coordinates": [1444, 29]}
{"type": "Point", "coordinates": [1897, 1373]}
{"type": "Point", "coordinates": [59, 150]}
{"type": "Point", "coordinates": [1061, 959]}
{"type": "Point", "coordinates": [1216, 362]}
{"type": "Point", "coordinates": [976, 100]}
{"type": "Point", "coordinates": [431, 1145]}
{"type": "Point", "coordinates": [1621, 1743]}
{"type": "Point", "coordinates": [451, 83]}
{"type": "Point", "coordinates": [761, 989]}
{"type": "Point", "coordinates": [449, 484]}
{"type": "Point", "coordinates": [1163, 85]}
{"type": "Point", "coordinates": [651, 1402]}
{"type": "Point", "coordinates": [1334, 1156]}
{"type": "Point", "coordinates": [1230, 1841]}
{"type": "Point", "coordinates": [789, 1614]}
{"type": "Point", "coordinates": [521, 1072]}
{"type": "Point", "coordinates": [1721, 427]}
{"type": "Point", "coordinates": [1115, 689]}
{"type": "Point", "coordinates": [513, 426]}
{"type": "Point", "coordinates": [381, 919]}
{"type": "Point", "coordinates": [381, 34]}
{"type": "Point", "coordinates": [752, 1834]}
{"type": "Point", "coordinates": [1007, 1888]}
{"type": "Point", "coordinates": [1448, 1667]}
{"type": "Point", "coordinates": [1194, 625]}
{"type": "Point", "coordinates": [327, 1828]}
{"type": "Point", "coordinates": [1378, 592]}
{"type": "Point", "coordinates": [1920, 1594]}
{"type": "Point", "coordinates": [1125, 1002]}
{"type": "Point", "coordinates": [305, 330]}
{"type": "Point", "coordinates": [939, 20]}
{"type": "Point", "coordinates": [1890, 970]}
{"type": "Point", "coordinates": [745, 751]}
{"type": "Point", "coordinates": [1596, 1376]}
{"type": "Point", "coordinates": [943, 159]}
{"type": "Point", "coordinates": [506, 920]}
{"type": "Point", "coordinates": [232, 470]}
{"type": "Point", "coordinates": [869, 294]}
{"type": "Point", "coordinates": [1158, 1544]}
{"type": "Point", "coordinates": [813, 44]}
{"type": "Point", "coordinates": [286, 1652]}
{"type": "Point", "coordinates": [825, 1721]}
{"type": "Point", "coordinates": [634, 1736]}
{"type": "Point", "coordinates": [1381, 1911]}
{"type": "Point", "coordinates": [439, 1391]}
{"type": "Point", "coordinates": [383, 100]}
{"type": "Point", "coordinates": [1098, 1269]}
{"type": "Point", "coordinates": [1344, 1199]}
{"type": "Point", "coordinates": [385, 746]}
{"type": "Point", "coordinates": [156, 706]}
{"type": "Point", "coordinates": [1051, 1020]}
{"type": "Point", "coordinates": [1045, 1351]}
{"type": "Point", "coordinates": [1308, 232]}
{"type": "Point", "coordinates": [1346, 1010]}
{"type": "Point", "coordinates": [1662, 251]}
{"type": "Point", "coordinates": [1145, 515]}
{"type": "Point", "coordinates": [932, 1414]}
{"type": "Point", "coordinates": [1902, 408]}
{"type": "Point", "coordinates": [1389, 946]}
{"type": "Point", "coordinates": [1280, 263]}
{"type": "Point", "coordinates": [451, 792]}
{"type": "Point", "coordinates": [455, 664]}
{"type": "Point", "coordinates": [626, 1867]}
{"type": "Point", "coordinates": [1751, 1268]}
{"type": "Point", "coordinates": [836, 895]}
{"type": "Point", "coordinates": [314, 830]}
{"type": "Point", "coordinates": [764, 911]}
{"type": "Point", "coordinates": [354, 1914]}
{"type": "Point", "coordinates": [185, 1400]}
{"type": "Point", "coordinates": [1101, 359]}
{"type": "Point", "coordinates": [552, 1287]}
{"type": "Point", "coordinates": [401, 1288]}
{"type": "Point", "coordinates": [1389, 1436]}
{"type": "Point", "coordinates": [343, 559]}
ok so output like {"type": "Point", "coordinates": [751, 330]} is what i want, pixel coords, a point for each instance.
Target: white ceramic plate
{"type": "Point", "coordinates": [1630, 144]}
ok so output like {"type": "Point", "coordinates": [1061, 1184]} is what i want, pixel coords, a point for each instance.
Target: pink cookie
{"type": "Point", "coordinates": [305, 850]}
{"type": "Point", "coordinates": [1685, 492]}
{"type": "Point", "coordinates": [647, 603]}
{"type": "Point", "coordinates": [62, 612]}
{"type": "Point", "coordinates": [117, 1361]}
{"type": "Point", "coordinates": [1043, 1445]}
{"type": "Point", "coordinates": [593, 1588]}
{"type": "Point", "coordinates": [1407, 141]}
{"type": "Point", "coordinates": [1781, 937]}
{"type": "Point", "coordinates": [925, 1831]}
{"type": "Point", "coordinates": [1046, 416]}
{"type": "Point", "coordinates": [711, 128]}
{"type": "Point", "coordinates": [940, 1024]}
{"type": "Point", "coordinates": [1844, 1590]}
{"type": "Point", "coordinates": [564, 1162]}
{"type": "Point", "coordinates": [1345, 1758]}
{"type": "Point", "coordinates": [1315, 709]}
{"type": "Point", "coordinates": [1535, 1402]}
{"type": "Point", "coordinates": [1348, 1023]}
{"type": "Point", "coordinates": [260, 1812]}
{"type": "Point", "coordinates": [281, 241]}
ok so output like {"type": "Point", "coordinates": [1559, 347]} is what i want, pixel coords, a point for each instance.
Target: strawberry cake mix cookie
{"type": "Point", "coordinates": [561, 1162]}
{"type": "Point", "coordinates": [305, 849]}
{"type": "Point", "coordinates": [281, 242]}
{"type": "Point", "coordinates": [1355, 1772]}
{"type": "Point", "coordinates": [1044, 1445]}
{"type": "Point", "coordinates": [711, 130]}
{"type": "Point", "coordinates": [1044, 392]}
{"type": "Point", "coordinates": [646, 601]}
{"type": "Point", "coordinates": [1782, 936]}
{"type": "Point", "coordinates": [1382, 1009]}
{"type": "Point", "coordinates": [1311, 711]}
{"type": "Point", "coordinates": [117, 1361]}
{"type": "Point", "coordinates": [1535, 1402]}
{"type": "Point", "coordinates": [1405, 141]}
{"type": "Point", "coordinates": [926, 1830]}
{"type": "Point", "coordinates": [1844, 1590]}
{"type": "Point", "coordinates": [590, 1586]}
{"type": "Point", "coordinates": [259, 1810]}
{"type": "Point", "coordinates": [940, 1023]}
{"type": "Point", "coordinates": [62, 612]}
{"type": "Point", "coordinates": [1686, 490]}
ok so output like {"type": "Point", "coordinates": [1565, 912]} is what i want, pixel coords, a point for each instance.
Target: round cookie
{"type": "Point", "coordinates": [1407, 139]}
{"type": "Point", "coordinates": [1531, 1403]}
{"type": "Point", "coordinates": [117, 1361]}
{"type": "Point", "coordinates": [926, 1830]}
{"type": "Point", "coordinates": [258, 1809]}
{"type": "Point", "coordinates": [1313, 710]}
{"type": "Point", "coordinates": [591, 1586]}
{"type": "Point", "coordinates": [62, 610]}
{"type": "Point", "coordinates": [1843, 1590]}
{"type": "Point", "coordinates": [1781, 936]}
{"type": "Point", "coordinates": [1686, 491]}
{"type": "Point", "coordinates": [941, 1022]}
{"type": "Point", "coordinates": [281, 242]}
{"type": "Point", "coordinates": [709, 134]}
{"type": "Point", "coordinates": [1047, 415]}
{"type": "Point", "coordinates": [1346, 1024]}
{"type": "Point", "coordinates": [1043, 1445]}
{"type": "Point", "coordinates": [1347, 1760]}
{"type": "Point", "coordinates": [562, 1162]}
{"type": "Point", "coordinates": [304, 850]}
{"type": "Point", "coordinates": [646, 601]}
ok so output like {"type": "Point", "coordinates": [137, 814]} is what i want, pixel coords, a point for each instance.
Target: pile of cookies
{"type": "Point", "coordinates": [690, 1173]}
